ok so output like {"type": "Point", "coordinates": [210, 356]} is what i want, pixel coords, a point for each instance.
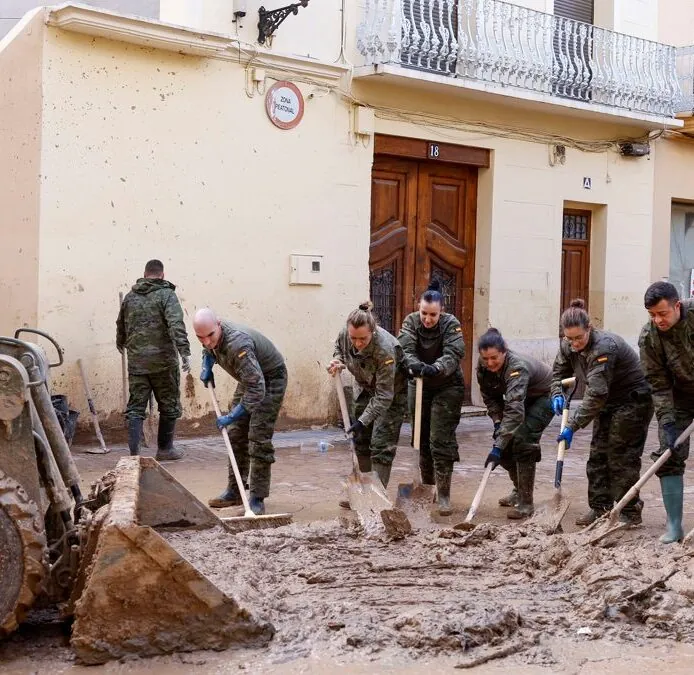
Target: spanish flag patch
{"type": "Point", "coordinates": [242, 354]}
{"type": "Point", "coordinates": [602, 359]}
{"type": "Point", "coordinates": [458, 329]}
{"type": "Point", "coordinates": [388, 362]}
{"type": "Point", "coordinates": [515, 373]}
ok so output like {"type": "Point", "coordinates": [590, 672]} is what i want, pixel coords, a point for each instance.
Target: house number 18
{"type": "Point", "coordinates": [433, 151]}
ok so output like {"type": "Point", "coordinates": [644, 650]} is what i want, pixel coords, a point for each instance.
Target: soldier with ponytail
{"type": "Point", "coordinates": [433, 345]}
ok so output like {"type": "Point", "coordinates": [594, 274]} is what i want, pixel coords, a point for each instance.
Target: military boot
{"type": "Point", "coordinates": [165, 435]}
{"type": "Point", "coordinates": [364, 463]}
{"type": "Point", "coordinates": [590, 516]}
{"type": "Point", "coordinates": [383, 471]}
{"type": "Point", "coordinates": [443, 491]}
{"type": "Point", "coordinates": [426, 467]}
{"type": "Point", "coordinates": [526, 487]}
{"type": "Point", "coordinates": [257, 504]}
{"type": "Point", "coordinates": [231, 495]}
{"type": "Point", "coordinates": [672, 488]}
{"type": "Point", "coordinates": [512, 498]}
{"type": "Point", "coordinates": [135, 425]}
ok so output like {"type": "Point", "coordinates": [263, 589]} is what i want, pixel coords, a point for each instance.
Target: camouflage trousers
{"type": "Point", "coordinates": [380, 439]}
{"type": "Point", "coordinates": [524, 447]}
{"type": "Point", "coordinates": [684, 415]}
{"type": "Point", "coordinates": [614, 462]}
{"type": "Point", "coordinates": [438, 446]}
{"type": "Point", "coordinates": [166, 386]}
{"type": "Point", "coordinates": [251, 437]}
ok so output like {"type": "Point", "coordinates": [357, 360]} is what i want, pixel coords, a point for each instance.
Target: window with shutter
{"type": "Point", "coordinates": [578, 10]}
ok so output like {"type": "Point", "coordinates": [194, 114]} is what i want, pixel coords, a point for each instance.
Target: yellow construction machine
{"type": "Point", "coordinates": [102, 560]}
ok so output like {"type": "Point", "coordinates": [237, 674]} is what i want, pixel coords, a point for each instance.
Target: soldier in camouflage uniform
{"type": "Point", "coordinates": [432, 341]}
{"type": "Point", "coordinates": [150, 327]}
{"type": "Point", "coordinates": [374, 357]}
{"type": "Point", "coordinates": [667, 357]}
{"type": "Point", "coordinates": [617, 400]}
{"type": "Point", "coordinates": [251, 359]}
{"type": "Point", "coordinates": [515, 389]}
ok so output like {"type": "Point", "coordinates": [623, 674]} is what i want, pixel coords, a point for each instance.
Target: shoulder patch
{"type": "Point", "coordinates": [602, 359]}
{"type": "Point", "coordinates": [387, 362]}
{"type": "Point", "coordinates": [515, 373]}
{"type": "Point", "coordinates": [458, 329]}
{"type": "Point", "coordinates": [241, 354]}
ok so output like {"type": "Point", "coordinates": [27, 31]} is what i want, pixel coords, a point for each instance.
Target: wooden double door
{"type": "Point", "coordinates": [423, 228]}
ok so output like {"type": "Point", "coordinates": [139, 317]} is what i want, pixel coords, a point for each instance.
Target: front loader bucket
{"type": "Point", "coordinates": [135, 594]}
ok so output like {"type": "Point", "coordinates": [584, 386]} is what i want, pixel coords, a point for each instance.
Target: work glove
{"type": "Point", "coordinates": [236, 414]}
{"type": "Point", "coordinates": [185, 364]}
{"type": "Point", "coordinates": [558, 404]}
{"type": "Point", "coordinates": [206, 375]}
{"type": "Point", "coordinates": [357, 430]}
{"type": "Point", "coordinates": [430, 371]}
{"type": "Point", "coordinates": [415, 370]}
{"type": "Point", "coordinates": [493, 458]}
{"type": "Point", "coordinates": [670, 438]}
{"type": "Point", "coordinates": [495, 434]}
{"type": "Point", "coordinates": [566, 436]}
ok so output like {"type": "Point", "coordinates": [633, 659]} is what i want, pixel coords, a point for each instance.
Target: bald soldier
{"type": "Point", "coordinates": [251, 359]}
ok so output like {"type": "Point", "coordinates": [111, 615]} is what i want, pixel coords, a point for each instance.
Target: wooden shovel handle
{"type": "Point", "coordinates": [417, 429]}
{"type": "Point", "coordinates": [478, 495]}
{"type": "Point", "coordinates": [232, 458]}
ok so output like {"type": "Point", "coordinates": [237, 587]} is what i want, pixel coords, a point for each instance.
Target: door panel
{"type": "Point", "coordinates": [393, 213]}
{"type": "Point", "coordinates": [423, 228]}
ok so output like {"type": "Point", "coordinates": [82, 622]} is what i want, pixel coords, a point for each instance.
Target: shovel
{"type": "Point", "coordinates": [467, 524]}
{"type": "Point", "coordinates": [367, 495]}
{"type": "Point", "coordinates": [248, 521]}
{"type": "Point", "coordinates": [610, 519]}
{"type": "Point", "coordinates": [558, 506]}
{"type": "Point", "coordinates": [416, 493]}
{"type": "Point", "coordinates": [102, 449]}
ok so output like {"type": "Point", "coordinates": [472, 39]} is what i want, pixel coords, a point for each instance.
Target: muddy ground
{"type": "Point", "coordinates": [344, 601]}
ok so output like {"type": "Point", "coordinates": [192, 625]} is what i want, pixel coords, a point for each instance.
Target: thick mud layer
{"type": "Point", "coordinates": [329, 591]}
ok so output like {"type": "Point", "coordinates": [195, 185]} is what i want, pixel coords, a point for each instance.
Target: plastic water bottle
{"type": "Point", "coordinates": [324, 446]}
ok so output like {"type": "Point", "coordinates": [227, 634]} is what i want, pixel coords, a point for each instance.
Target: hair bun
{"type": "Point", "coordinates": [494, 331]}
{"type": "Point", "coordinates": [434, 285]}
{"type": "Point", "coordinates": [366, 306]}
{"type": "Point", "coordinates": [578, 302]}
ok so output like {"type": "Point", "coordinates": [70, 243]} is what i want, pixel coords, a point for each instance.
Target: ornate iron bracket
{"type": "Point", "coordinates": [270, 21]}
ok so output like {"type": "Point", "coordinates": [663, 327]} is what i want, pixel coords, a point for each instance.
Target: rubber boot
{"type": "Point", "coordinates": [443, 492]}
{"type": "Point", "coordinates": [165, 435]}
{"type": "Point", "coordinates": [230, 496]}
{"type": "Point", "coordinates": [590, 516]}
{"type": "Point", "coordinates": [364, 463]}
{"type": "Point", "coordinates": [526, 487]}
{"type": "Point", "coordinates": [512, 498]}
{"type": "Point", "coordinates": [672, 488]}
{"type": "Point", "coordinates": [257, 504]}
{"type": "Point", "coordinates": [135, 425]}
{"type": "Point", "coordinates": [383, 471]}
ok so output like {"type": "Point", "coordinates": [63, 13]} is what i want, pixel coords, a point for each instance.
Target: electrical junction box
{"type": "Point", "coordinates": [364, 121]}
{"type": "Point", "coordinates": [305, 270]}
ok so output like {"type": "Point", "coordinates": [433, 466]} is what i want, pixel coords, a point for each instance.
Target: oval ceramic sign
{"type": "Point", "coordinates": [284, 104]}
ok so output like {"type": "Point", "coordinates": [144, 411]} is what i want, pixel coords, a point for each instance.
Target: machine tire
{"type": "Point", "coordinates": [23, 553]}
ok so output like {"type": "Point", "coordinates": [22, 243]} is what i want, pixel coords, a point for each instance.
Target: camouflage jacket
{"type": "Point", "coordinates": [668, 361]}
{"type": "Point", "coordinates": [248, 356]}
{"type": "Point", "coordinates": [505, 393]}
{"type": "Point", "coordinates": [377, 369]}
{"type": "Point", "coordinates": [442, 345]}
{"type": "Point", "coordinates": [150, 326]}
{"type": "Point", "coordinates": [609, 367]}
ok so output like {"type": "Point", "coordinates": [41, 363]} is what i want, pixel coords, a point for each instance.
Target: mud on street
{"type": "Point", "coordinates": [505, 597]}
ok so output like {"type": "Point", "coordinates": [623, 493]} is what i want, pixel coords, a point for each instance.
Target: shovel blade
{"type": "Point", "coordinates": [417, 495]}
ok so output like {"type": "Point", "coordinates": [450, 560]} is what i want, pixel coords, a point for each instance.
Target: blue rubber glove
{"type": "Point", "coordinates": [206, 375]}
{"type": "Point", "coordinates": [236, 414]}
{"type": "Point", "coordinates": [493, 458]}
{"type": "Point", "coordinates": [558, 404]}
{"type": "Point", "coordinates": [566, 436]}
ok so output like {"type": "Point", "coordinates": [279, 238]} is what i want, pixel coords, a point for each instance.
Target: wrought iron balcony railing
{"type": "Point", "coordinates": [685, 75]}
{"type": "Point", "coordinates": [512, 46]}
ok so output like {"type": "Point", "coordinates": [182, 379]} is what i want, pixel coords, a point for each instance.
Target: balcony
{"type": "Point", "coordinates": [519, 51]}
{"type": "Point", "coordinates": [685, 75]}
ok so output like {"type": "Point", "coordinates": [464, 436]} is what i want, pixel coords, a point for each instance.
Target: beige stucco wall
{"type": "Point", "coordinates": [676, 22]}
{"type": "Point", "coordinates": [20, 143]}
{"type": "Point", "coordinates": [633, 17]}
{"type": "Point", "coordinates": [674, 180]}
{"type": "Point", "coordinates": [151, 154]}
